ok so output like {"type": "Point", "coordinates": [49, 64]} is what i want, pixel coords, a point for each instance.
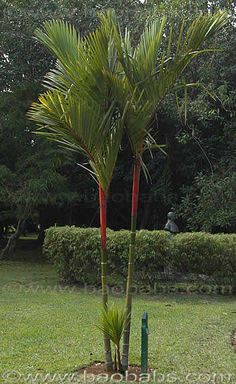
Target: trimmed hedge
{"type": "Point", "coordinates": [75, 252]}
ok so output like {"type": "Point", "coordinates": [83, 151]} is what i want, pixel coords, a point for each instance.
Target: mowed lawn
{"type": "Point", "coordinates": [45, 328]}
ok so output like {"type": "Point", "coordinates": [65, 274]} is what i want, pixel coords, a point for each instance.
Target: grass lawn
{"type": "Point", "coordinates": [52, 330]}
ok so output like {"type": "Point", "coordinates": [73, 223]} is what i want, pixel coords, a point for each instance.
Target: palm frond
{"type": "Point", "coordinates": [81, 126]}
{"type": "Point", "coordinates": [61, 39]}
{"type": "Point", "coordinates": [153, 67]}
{"type": "Point", "coordinates": [78, 110]}
{"type": "Point", "coordinates": [112, 324]}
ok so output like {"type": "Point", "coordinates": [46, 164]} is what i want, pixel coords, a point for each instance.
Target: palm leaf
{"type": "Point", "coordinates": [81, 126]}
{"type": "Point", "coordinates": [151, 70]}
{"type": "Point", "coordinates": [78, 110]}
{"type": "Point", "coordinates": [112, 324]}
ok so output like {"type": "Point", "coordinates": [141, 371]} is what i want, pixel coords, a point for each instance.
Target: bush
{"type": "Point", "coordinates": [75, 252]}
{"type": "Point", "coordinates": [204, 253]}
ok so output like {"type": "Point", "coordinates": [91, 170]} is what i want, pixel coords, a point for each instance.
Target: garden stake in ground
{"type": "Point", "coordinates": [144, 343]}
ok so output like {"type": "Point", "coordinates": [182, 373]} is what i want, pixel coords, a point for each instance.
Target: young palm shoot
{"type": "Point", "coordinates": [150, 72]}
{"type": "Point", "coordinates": [112, 324]}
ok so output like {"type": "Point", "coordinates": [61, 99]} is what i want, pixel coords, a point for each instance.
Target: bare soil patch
{"type": "Point", "coordinates": [99, 369]}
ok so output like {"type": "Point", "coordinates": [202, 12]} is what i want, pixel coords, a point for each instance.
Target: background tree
{"type": "Point", "coordinates": [33, 183]}
{"type": "Point", "coordinates": [209, 204]}
{"type": "Point", "coordinates": [206, 142]}
{"type": "Point", "coordinates": [31, 172]}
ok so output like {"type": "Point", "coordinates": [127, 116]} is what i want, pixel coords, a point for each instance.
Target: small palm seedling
{"type": "Point", "coordinates": [112, 324]}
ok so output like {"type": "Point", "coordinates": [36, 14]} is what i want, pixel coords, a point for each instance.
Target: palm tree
{"type": "Point", "coordinates": [149, 72]}
{"type": "Point", "coordinates": [94, 76]}
{"type": "Point", "coordinates": [78, 112]}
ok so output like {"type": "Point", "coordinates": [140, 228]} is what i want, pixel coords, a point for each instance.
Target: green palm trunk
{"type": "Point", "coordinates": [106, 340]}
{"type": "Point", "coordinates": [103, 229]}
{"type": "Point", "coordinates": [128, 305]}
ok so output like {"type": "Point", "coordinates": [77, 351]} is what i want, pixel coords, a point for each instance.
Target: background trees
{"type": "Point", "coordinates": [205, 144]}
{"type": "Point", "coordinates": [31, 172]}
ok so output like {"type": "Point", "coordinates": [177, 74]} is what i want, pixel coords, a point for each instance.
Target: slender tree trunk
{"type": "Point", "coordinates": [128, 309]}
{"type": "Point", "coordinates": [11, 243]}
{"type": "Point", "coordinates": [103, 229]}
{"type": "Point", "coordinates": [119, 359]}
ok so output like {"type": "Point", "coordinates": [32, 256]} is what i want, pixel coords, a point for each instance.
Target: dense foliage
{"type": "Point", "coordinates": [74, 250]}
{"type": "Point", "coordinates": [200, 149]}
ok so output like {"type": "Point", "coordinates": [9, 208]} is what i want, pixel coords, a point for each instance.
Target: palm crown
{"type": "Point", "coordinates": [78, 110]}
{"type": "Point", "coordinates": [151, 69]}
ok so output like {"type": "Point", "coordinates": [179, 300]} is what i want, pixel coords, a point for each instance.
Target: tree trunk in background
{"type": "Point", "coordinates": [146, 212]}
{"type": "Point", "coordinates": [11, 243]}
{"type": "Point", "coordinates": [128, 309]}
{"type": "Point", "coordinates": [103, 229]}
{"type": "Point", "coordinates": [41, 235]}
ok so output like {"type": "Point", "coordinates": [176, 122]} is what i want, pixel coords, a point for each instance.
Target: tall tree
{"type": "Point", "coordinates": [151, 70]}
{"type": "Point", "coordinates": [79, 112]}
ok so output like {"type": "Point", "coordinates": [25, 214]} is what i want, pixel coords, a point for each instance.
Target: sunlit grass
{"type": "Point", "coordinates": [45, 328]}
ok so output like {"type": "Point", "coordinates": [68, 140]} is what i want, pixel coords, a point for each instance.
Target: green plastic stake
{"type": "Point", "coordinates": [144, 343]}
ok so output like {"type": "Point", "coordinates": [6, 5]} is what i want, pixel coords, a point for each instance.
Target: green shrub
{"type": "Point", "coordinates": [75, 253]}
{"type": "Point", "coordinates": [204, 253]}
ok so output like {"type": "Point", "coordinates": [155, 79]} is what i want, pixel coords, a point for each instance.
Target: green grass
{"type": "Point", "coordinates": [47, 329]}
